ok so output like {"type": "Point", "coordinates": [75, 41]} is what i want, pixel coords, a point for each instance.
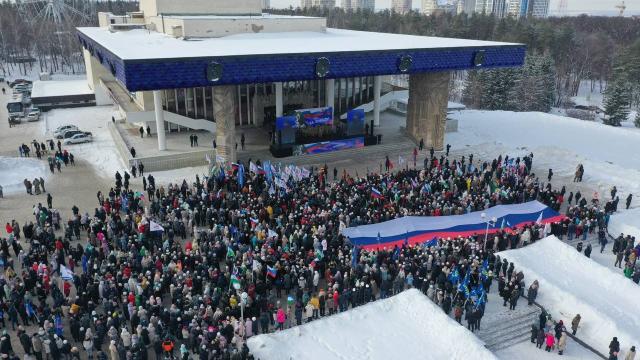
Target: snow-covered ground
{"type": "Point", "coordinates": [13, 171]}
{"type": "Point", "coordinates": [587, 97]}
{"type": "Point", "coordinates": [406, 326]}
{"type": "Point", "coordinates": [560, 143]}
{"type": "Point", "coordinates": [101, 154]}
{"type": "Point", "coordinates": [572, 284]}
{"type": "Point", "coordinates": [626, 222]}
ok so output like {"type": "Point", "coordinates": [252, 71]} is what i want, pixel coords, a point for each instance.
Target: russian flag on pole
{"type": "Point", "coordinates": [375, 193]}
{"type": "Point", "coordinates": [273, 272]}
{"type": "Point", "coordinates": [422, 229]}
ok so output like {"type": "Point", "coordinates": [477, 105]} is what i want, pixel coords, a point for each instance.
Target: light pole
{"type": "Point", "coordinates": [243, 303]}
{"type": "Point", "coordinates": [491, 222]}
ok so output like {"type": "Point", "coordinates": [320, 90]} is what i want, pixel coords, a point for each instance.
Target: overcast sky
{"type": "Point", "coordinates": [600, 7]}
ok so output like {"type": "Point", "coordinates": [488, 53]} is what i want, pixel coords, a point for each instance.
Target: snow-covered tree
{"type": "Point", "coordinates": [616, 103]}
{"type": "Point", "coordinates": [636, 121]}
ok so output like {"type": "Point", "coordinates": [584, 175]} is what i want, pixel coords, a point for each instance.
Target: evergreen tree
{"type": "Point", "coordinates": [636, 121]}
{"type": "Point", "coordinates": [616, 103]}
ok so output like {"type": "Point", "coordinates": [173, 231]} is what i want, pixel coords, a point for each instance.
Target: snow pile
{"type": "Point", "coordinates": [13, 171]}
{"type": "Point", "coordinates": [571, 284]}
{"type": "Point", "coordinates": [625, 222]}
{"type": "Point", "coordinates": [557, 142]}
{"type": "Point", "coordinates": [406, 326]}
{"type": "Point", "coordinates": [101, 154]}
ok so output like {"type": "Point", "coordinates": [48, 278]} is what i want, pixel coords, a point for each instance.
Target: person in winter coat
{"type": "Point", "coordinates": [562, 343]}
{"type": "Point", "coordinates": [513, 301]}
{"type": "Point", "coordinates": [549, 341]}
{"type": "Point", "coordinates": [457, 313]}
{"type": "Point", "coordinates": [281, 317]}
{"type": "Point", "coordinates": [575, 323]}
{"type": "Point", "coordinates": [631, 355]}
{"type": "Point", "coordinates": [541, 338]}
{"type": "Point", "coordinates": [534, 333]}
{"type": "Point", "coordinates": [614, 349]}
{"type": "Point", "coordinates": [559, 329]}
{"type": "Point", "coordinates": [532, 293]}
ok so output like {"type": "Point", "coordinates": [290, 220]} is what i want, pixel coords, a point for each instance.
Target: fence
{"type": "Point", "coordinates": [160, 162]}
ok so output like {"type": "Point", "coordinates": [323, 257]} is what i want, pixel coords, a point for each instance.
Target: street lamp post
{"type": "Point", "coordinates": [243, 303]}
{"type": "Point", "coordinates": [491, 222]}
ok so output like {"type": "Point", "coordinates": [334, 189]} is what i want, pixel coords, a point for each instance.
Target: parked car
{"type": "Point", "coordinates": [59, 132]}
{"type": "Point", "coordinates": [33, 116]}
{"type": "Point", "coordinates": [71, 133]}
{"type": "Point", "coordinates": [79, 138]}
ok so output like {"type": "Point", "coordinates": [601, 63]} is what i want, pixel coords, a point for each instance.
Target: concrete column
{"type": "Point", "coordinates": [427, 108]}
{"type": "Point", "coordinates": [279, 100]}
{"type": "Point", "coordinates": [224, 100]}
{"type": "Point", "coordinates": [377, 87]}
{"type": "Point", "coordinates": [157, 106]}
{"type": "Point", "coordinates": [330, 93]}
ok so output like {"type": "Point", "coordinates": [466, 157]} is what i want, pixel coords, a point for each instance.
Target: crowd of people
{"type": "Point", "coordinates": [196, 269]}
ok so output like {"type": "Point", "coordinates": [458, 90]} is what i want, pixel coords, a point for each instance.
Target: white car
{"type": "Point", "coordinates": [78, 139]}
{"type": "Point", "coordinates": [33, 116]}
{"type": "Point", "coordinates": [59, 132]}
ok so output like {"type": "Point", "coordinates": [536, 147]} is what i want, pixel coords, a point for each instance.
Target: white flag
{"type": "Point", "coordinates": [65, 273]}
{"type": "Point", "coordinates": [154, 226]}
{"type": "Point", "coordinates": [253, 168]}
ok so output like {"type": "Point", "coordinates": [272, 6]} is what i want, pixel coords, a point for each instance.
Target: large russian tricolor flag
{"type": "Point", "coordinates": [420, 229]}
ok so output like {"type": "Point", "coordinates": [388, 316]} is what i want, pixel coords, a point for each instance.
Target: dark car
{"type": "Point", "coordinates": [70, 133]}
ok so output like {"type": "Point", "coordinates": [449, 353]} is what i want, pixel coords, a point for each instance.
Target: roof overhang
{"type": "Point", "coordinates": [143, 60]}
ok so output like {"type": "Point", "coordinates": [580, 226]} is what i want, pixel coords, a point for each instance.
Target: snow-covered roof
{"type": "Point", "coordinates": [142, 44]}
{"type": "Point", "coordinates": [238, 17]}
{"type": "Point", "coordinates": [405, 326]}
{"type": "Point", "coordinates": [51, 88]}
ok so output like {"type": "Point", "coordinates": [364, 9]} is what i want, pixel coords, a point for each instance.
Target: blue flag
{"type": "Point", "coordinates": [454, 276]}
{"type": "Point", "coordinates": [241, 175]}
{"type": "Point", "coordinates": [354, 256]}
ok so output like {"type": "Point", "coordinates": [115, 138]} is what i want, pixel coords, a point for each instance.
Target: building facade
{"type": "Point", "coordinates": [538, 8]}
{"type": "Point", "coordinates": [324, 4]}
{"type": "Point", "coordinates": [429, 6]}
{"type": "Point", "coordinates": [401, 6]}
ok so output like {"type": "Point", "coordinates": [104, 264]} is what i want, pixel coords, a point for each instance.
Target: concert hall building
{"type": "Point", "coordinates": [216, 64]}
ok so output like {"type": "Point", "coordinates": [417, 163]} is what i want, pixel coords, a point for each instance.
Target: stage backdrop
{"type": "Point", "coordinates": [315, 117]}
{"type": "Point", "coordinates": [420, 229]}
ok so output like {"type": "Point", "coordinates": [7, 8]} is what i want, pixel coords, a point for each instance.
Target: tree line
{"type": "Point", "coordinates": [32, 41]}
{"type": "Point", "coordinates": [562, 53]}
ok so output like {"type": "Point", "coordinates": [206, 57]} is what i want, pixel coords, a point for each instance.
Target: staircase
{"type": "Point", "coordinates": [509, 327]}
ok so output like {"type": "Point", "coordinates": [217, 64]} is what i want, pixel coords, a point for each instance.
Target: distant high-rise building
{"type": "Point", "coordinates": [499, 8]}
{"type": "Point", "coordinates": [484, 7]}
{"type": "Point", "coordinates": [305, 4]}
{"type": "Point", "coordinates": [538, 8]}
{"type": "Point", "coordinates": [513, 8]}
{"type": "Point", "coordinates": [324, 4]}
{"type": "Point", "coordinates": [429, 6]}
{"type": "Point", "coordinates": [401, 6]}
{"type": "Point", "coordinates": [266, 4]}
{"type": "Point", "coordinates": [366, 4]}
{"type": "Point", "coordinates": [348, 4]}
{"type": "Point", "coordinates": [468, 6]}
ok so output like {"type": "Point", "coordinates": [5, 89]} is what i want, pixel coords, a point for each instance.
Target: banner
{"type": "Point", "coordinates": [315, 117]}
{"type": "Point", "coordinates": [65, 273]}
{"type": "Point", "coordinates": [421, 229]}
{"type": "Point", "coordinates": [286, 122]}
{"type": "Point", "coordinates": [328, 146]}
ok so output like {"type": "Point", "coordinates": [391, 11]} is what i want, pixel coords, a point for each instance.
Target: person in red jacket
{"type": "Point", "coordinates": [9, 229]}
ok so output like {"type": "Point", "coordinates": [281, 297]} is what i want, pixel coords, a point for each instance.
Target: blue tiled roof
{"type": "Point", "coordinates": [157, 74]}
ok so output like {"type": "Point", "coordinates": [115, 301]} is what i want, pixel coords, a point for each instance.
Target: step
{"type": "Point", "coordinates": [508, 343]}
{"type": "Point", "coordinates": [514, 329]}
{"type": "Point", "coordinates": [512, 317]}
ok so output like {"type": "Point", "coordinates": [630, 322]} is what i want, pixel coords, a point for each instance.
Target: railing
{"type": "Point", "coordinates": [573, 337]}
